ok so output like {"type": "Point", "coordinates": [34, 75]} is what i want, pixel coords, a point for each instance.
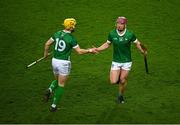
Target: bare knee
{"type": "Point", "coordinates": [112, 82]}
{"type": "Point", "coordinates": [123, 81]}
{"type": "Point", "coordinates": [61, 82]}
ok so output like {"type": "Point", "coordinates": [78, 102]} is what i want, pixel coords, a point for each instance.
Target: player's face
{"type": "Point", "coordinates": [120, 27]}
{"type": "Point", "coordinates": [72, 30]}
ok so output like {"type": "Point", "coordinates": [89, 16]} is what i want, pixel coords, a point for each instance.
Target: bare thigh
{"type": "Point", "coordinates": [114, 76]}
{"type": "Point", "coordinates": [124, 75]}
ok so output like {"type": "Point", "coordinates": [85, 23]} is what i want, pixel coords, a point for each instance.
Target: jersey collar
{"type": "Point", "coordinates": [66, 31]}
{"type": "Point", "coordinates": [122, 34]}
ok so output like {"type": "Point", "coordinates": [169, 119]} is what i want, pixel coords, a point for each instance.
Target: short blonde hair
{"type": "Point", "coordinates": [69, 23]}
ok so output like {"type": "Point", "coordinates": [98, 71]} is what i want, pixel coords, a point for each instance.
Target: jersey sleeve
{"type": "Point", "coordinates": [109, 40]}
{"type": "Point", "coordinates": [133, 38]}
{"type": "Point", "coordinates": [53, 37]}
{"type": "Point", "coordinates": [74, 43]}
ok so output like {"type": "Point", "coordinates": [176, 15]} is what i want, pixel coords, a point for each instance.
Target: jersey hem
{"type": "Point", "coordinates": [109, 42]}
{"type": "Point", "coordinates": [135, 41]}
{"type": "Point", "coordinates": [66, 60]}
{"type": "Point", "coordinates": [76, 46]}
{"type": "Point", "coordinates": [52, 39]}
{"type": "Point", "coordinates": [121, 61]}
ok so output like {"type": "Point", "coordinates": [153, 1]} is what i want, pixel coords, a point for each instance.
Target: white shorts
{"type": "Point", "coordinates": [118, 66]}
{"type": "Point", "coordinates": [61, 67]}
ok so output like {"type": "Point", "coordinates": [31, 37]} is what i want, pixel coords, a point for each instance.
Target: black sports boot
{"type": "Point", "coordinates": [53, 109]}
{"type": "Point", "coordinates": [120, 99]}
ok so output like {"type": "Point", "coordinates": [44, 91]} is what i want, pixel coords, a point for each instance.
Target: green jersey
{"type": "Point", "coordinates": [64, 42]}
{"type": "Point", "coordinates": [121, 45]}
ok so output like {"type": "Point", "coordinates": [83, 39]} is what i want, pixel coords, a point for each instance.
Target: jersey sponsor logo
{"type": "Point", "coordinates": [120, 39]}
{"type": "Point", "coordinates": [115, 38]}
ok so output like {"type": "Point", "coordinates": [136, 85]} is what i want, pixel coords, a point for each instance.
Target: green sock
{"type": "Point", "coordinates": [58, 94]}
{"type": "Point", "coordinates": [53, 85]}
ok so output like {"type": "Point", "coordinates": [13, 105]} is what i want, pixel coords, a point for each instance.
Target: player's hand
{"type": "Point", "coordinates": [93, 50]}
{"type": "Point", "coordinates": [144, 52]}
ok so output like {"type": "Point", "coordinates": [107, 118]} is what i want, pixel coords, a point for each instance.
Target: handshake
{"type": "Point", "coordinates": [93, 50]}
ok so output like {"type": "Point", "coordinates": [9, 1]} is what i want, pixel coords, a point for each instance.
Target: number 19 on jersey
{"type": "Point", "coordinates": [60, 45]}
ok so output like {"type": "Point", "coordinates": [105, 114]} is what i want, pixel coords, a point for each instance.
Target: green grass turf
{"type": "Point", "coordinates": [25, 25]}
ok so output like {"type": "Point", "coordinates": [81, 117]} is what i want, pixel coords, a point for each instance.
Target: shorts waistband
{"type": "Point", "coordinates": [60, 60]}
{"type": "Point", "coordinates": [121, 62]}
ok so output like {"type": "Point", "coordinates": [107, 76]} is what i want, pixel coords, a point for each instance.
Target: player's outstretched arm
{"type": "Point", "coordinates": [46, 47]}
{"type": "Point", "coordinates": [84, 51]}
{"type": "Point", "coordinates": [103, 46]}
{"type": "Point", "coordinates": [141, 47]}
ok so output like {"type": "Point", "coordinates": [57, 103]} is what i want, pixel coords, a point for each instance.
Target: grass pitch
{"type": "Point", "coordinates": [89, 98]}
